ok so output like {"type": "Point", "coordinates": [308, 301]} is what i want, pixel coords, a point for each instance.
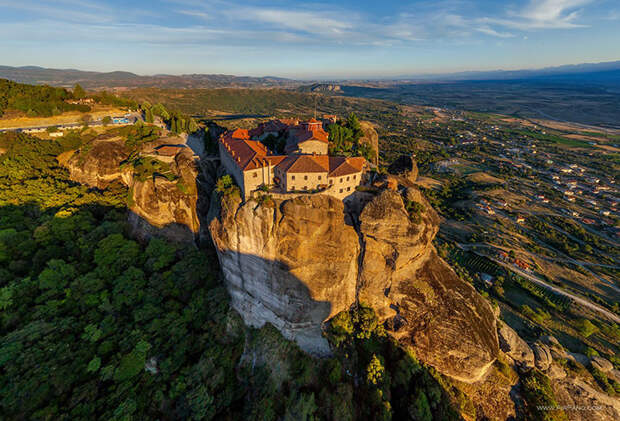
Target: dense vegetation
{"type": "Point", "coordinates": [344, 139]}
{"type": "Point", "coordinates": [36, 101]}
{"type": "Point", "coordinates": [177, 122]}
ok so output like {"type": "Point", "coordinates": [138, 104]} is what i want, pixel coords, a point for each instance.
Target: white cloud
{"type": "Point", "coordinates": [544, 14]}
{"type": "Point", "coordinates": [493, 32]}
{"type": "Point", "coordinates": [194, 13]}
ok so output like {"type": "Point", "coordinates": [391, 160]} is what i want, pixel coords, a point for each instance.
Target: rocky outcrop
{"type": "Point", "coordinates": [160, 204]}
{"type": "Point", "coordinates": [371, 138]}
{"type": "Point", "coordinates": [449, 325]}
{"type": "Point", "coordinates": [515, 347]}
{"type": "Point", "coordinates": [601, 364]}
{"type": "Point", "coordinates": [542, 356]}
{"type": "Point", "coordinates": [555, 372]}
{"type": "Point", "coordinates": [298, 262]}
{"type": "Point", "coordinates": [406, 167]}
{"type": "Point", "coordinates": [582, 402]}
{"type": "Point", "coordinates": [293, 264]}
{"type": "Point", "coordinates": [166, 205]}
{"type": "Point", "coordinates": [97, 164]}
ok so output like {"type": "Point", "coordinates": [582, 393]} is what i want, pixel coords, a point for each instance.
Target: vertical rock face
{"type": "Point", "coordinates": [164, 207]}
{"type": "Point", "coordinates": [428, 306]}
{"type": "Point", "coordinates": [370, 138]}
{"type": "Point", "coordinates": [159, 205]}
{"type": "Point", "coordinates": [298, 263]}
{"type": "Point", "coordinates": [395, 248]}
{"type": "Point", "coordinates": [293, 264]}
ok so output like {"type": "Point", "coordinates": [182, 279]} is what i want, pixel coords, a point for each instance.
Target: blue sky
{"type": "Point", "coordinates": [305, 39]}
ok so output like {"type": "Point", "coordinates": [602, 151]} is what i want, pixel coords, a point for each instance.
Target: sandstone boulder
{"type": "Point", "coordinates": [97, 164]}
{"type": "Point", "coordinates": [601, 363]}
{"type": "Point", "coordinates": [574, 394]}
{"type": "Point", "coordinates": [515, 347]}
{"type": "Point", "coordinates": [550, 341]}
{"type": "Point", "coordinates": [370, 138]}
{"type": "Point", "coordinates": [406, 167]}
{"type": "Point", "coordinates": [555, 372]}
{"type": "Point", "coordinates": [580, 358]}
{"type": "Point", "coordinates": [542, 356]}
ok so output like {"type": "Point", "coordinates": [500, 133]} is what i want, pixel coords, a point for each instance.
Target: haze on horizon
{"type": "Point", "coordinates": [344, 39]}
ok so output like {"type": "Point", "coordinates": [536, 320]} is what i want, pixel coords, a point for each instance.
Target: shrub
{"type": "Point", "coordinates": [541, 402]}
{"type": "Point", "coordinates": [226, 187]}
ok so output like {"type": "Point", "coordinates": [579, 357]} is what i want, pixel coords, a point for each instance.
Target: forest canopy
{"type": "Point", "coordinates": [36, 101]}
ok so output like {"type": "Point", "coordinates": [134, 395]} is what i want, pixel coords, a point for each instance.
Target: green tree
{"type": "Point", "coordinates": [375, 371]}
{"type": "Point", "coordinates": [78, 92]}
{"type": "Point", "coordinates": [106, 120]}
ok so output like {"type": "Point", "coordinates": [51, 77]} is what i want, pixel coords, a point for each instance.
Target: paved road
{"type": "Point", "coordinates": [559, 291]}
{"type": "Point", "coordinates": [542, 283]}
{"type": "Point", "coordinates": [534, 236]}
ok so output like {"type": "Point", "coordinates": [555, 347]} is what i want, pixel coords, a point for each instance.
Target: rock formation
{"type": "Point", "coordinates": [166, 207]}
{"type": "Point", "coordinates": [293, 265]}
{"type": "Point", "coordinates": [601, 364]}
{"type": "Point", "coordinates": [296, 263]}
{"type": "Point", "coordinates": [542, 356]}
{"type": "Point", "coordinates": [97, 164]}
{"type": "Point", "coordinates": [575, 394]}
{"type": "Point", "coordinates": [371, 138]}
{"type": "Point", "coordinates": [160, 204]}
{"type": "Point", "coordinates": [515, 347]}
{"type": "Point", "coordinates": [406, 167]}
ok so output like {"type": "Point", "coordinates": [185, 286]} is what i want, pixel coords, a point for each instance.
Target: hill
{"type": "Point", "coordinates": [119, 79]}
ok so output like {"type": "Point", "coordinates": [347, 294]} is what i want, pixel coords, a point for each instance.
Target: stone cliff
{"type": "Point", "coordinates": [296, 263]}
{"type": "Point", "coordinates": [164, 205]}
{"type": "Point", "coordinates": [292, 264]}
{"type": "Point", "coordinates": [98, 163]}
{"type": "Point", "coordinates": [163, 192]}
{"type": "Point", "coordinates": [370, 137]}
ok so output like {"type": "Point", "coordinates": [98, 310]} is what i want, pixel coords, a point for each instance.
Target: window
{"type": "Point", "coordinates": [319, 177]}
{"type": "Point", "coordinates": [305, 187]}
{"type": "Point", "coordinates": [331, 181]}
{"type": "Point", "coordinates": [348, 188]}
{"type": "Point", "coordinates": [305, 177]}
{"type": "Point", "coordinates": [340, 190]}
{"type": "Point", "coordinates": [354, 177]}
{"type": "Point", "coordinates": [347, 178]}
{"type": "Point", "coordinates": [341, 181]}
{"type": "Point", "coordinates": [255, 175]}
{"type": "Point", "coordinates": [292, 177]}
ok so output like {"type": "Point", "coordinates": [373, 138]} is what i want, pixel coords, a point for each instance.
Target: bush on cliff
{"type": "Point", "coordinates": [541, 402]}
{"type": "Point", "coordinates": [226, 187]}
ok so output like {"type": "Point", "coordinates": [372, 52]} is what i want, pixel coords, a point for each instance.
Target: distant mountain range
{"type": "Point", "coordinates": [598, 73]}
{"type": "Point", "coordinates": [604, 72]}
{"type": "Point", "coordinates": [98, 80]}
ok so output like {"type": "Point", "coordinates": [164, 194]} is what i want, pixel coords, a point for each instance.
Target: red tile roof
{"type": "Point", "coordinates": [169, 150]}
{"type": "Point", "coordinates": [335, 166]}
{"type": "Point", "coordinates": [251, 154]}
{"type": "Point", "coordinates": [305, 163]}
{"type": "Point", "coordinates": [340, 165]}
{"type": "Point", "coordinates": [248, 154]}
